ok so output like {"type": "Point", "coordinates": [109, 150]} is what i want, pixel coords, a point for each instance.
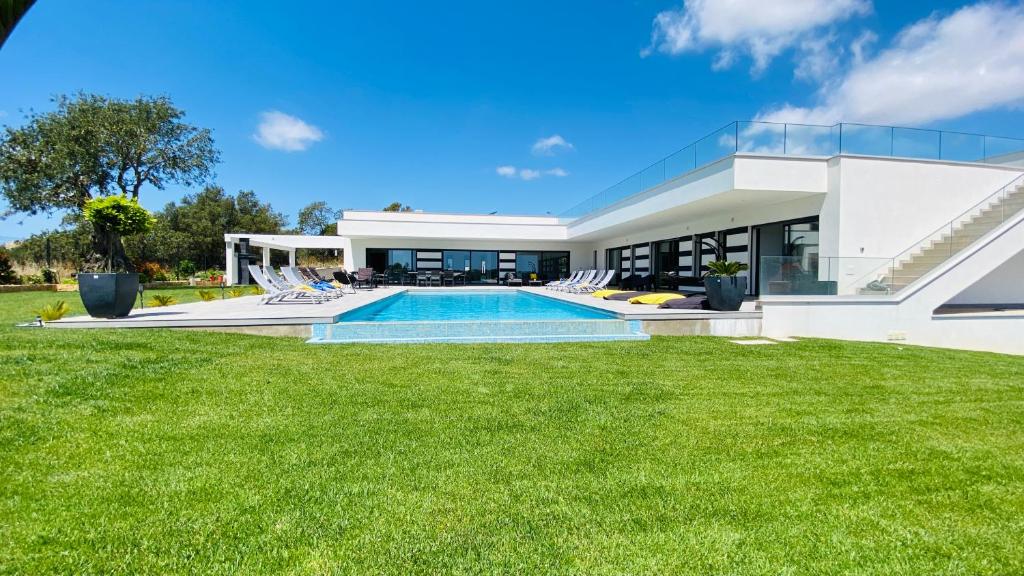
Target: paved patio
{"type": "Point", "coordinates": [247, 311]}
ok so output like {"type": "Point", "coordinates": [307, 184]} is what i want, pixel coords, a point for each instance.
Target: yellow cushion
{"type": "Point", "coordinates": [603, 293]}
{"type": "Point", "coordinates": [655, 298]}
{"type": "Point", "coordinates": [305, 288]}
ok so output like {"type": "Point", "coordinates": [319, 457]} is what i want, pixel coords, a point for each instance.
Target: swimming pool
{"type": "Point", "coordinates": [476, 305]}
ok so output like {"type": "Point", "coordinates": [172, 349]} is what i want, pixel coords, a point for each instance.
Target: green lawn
{"type": "Point", "coordinates": [183, 451]}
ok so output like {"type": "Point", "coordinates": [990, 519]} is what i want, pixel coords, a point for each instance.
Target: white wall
{"type": "Point", "coordinates": [356, 224]}
{"type": "Point", "coordinates": [886, 205]}
{"type": "Point", "coordinates": [1004, 285]}
{"type": "Point", "coordinates": [910, 315]}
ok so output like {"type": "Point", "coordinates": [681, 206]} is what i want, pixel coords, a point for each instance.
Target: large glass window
{"type": "Point", "coordinates": [377, 258]}
{"type": "Point", "coordinates": [400, 260]}
{"type": "Point", "coordinates": [527, 263]}
{"type": "Point", "coordinates": [666, 259]}
{"type": "Point", "coordinates": [613, 257]}
{"type": "Point", "coordinates": [457, 260]}
{"type": "Point", "coordinates": [483, 267]}
{"type": "Point", "coordinates": [554, 265]}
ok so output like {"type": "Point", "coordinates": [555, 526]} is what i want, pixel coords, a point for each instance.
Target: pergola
{"type": "Point", "coordinates": [267, 242]}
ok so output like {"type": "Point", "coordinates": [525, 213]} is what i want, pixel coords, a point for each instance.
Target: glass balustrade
{"type": "Point", "coordinates": [755, 137]}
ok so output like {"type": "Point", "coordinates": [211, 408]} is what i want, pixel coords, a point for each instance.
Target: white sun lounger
{"type": "Point", "coordinates": [575, 276]}
{"type": "Point", "coordinates": [587, 277]}
{"type": "Point", "coordinates": [275, 294]}
{"type": "Point", "coordinates": [595, 285]}
{"type": "Point", "coordinates": [291, 276]}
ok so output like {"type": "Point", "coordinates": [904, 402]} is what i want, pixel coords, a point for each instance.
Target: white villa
{"type": "Point", "coordinates": [851, 231]}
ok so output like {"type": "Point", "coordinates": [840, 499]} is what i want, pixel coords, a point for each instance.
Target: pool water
{"type": "Point", "coordinates": [486, 306]}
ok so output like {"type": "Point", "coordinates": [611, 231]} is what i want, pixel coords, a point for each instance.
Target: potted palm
{"type": "Point", "coordinates": [724, 287]}
{"type": "Point", "coordinates": [111, 294]}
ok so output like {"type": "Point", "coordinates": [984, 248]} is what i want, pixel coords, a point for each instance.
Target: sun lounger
{"type": "Point", "coordinates": [595, 285]}
{"type": "Point", "coordinates": [275, 294]}
{"type": "Point", "coordinates": [587, 277]}
{"type": "Point", "coordinates": [574, 277]}
{"type": "Point", "coordinates": [291, 275]}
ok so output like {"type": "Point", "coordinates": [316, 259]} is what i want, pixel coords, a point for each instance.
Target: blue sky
{"type": "Point", "coordinates": [442, 105]}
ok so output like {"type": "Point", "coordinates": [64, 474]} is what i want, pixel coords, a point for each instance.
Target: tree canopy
{"type": "Point", "coordinates": [195, 228]}
{"type": "Point", "coordinates": [93, 146]}
{"type": "Point", "coordinates": [397, 207]}
{"type": "Point", "coordinates": [318, 219]}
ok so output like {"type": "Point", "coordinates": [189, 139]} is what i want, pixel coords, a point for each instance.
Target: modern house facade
{"type": "Point", "coordinates": [822, 214]}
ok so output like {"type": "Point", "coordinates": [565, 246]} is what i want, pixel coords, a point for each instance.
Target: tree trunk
{"type": "Point", "coordinates": [107, 251]}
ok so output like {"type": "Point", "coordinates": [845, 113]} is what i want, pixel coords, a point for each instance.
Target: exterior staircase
{"type": "Point", "coordinates": [950, 239]}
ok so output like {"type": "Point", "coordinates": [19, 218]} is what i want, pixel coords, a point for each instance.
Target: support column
{"type": "Point", "coordinates": [266, 256]}
{"type": "Point", "coordinates": [230, 265]}
{"type": "Point", "coordinates": [291, 257]}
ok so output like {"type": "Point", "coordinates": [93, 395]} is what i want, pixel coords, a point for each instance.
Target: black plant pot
{"type": "Point", "coordinates": [108, 295]}
{"type": "Point", "coordinates": [725, 293]}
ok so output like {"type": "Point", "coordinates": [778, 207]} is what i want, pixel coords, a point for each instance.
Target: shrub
{"type": "Point", "coordinates": [31, 279]}
{"type": "Point", "coordinates": [207, 295]}
{"type": "Point", "coordinates": [236, 292]}
{"type": "Point", "coordinates": [213, 274]}
{"type": "Point", "coordinates": [7, 274]}
{"type": "Point", "coordinates": [49, 276]}
{"type": "Point", "coordinates": [117, 214]}
{"type": "Point", "coordinates": [52, 312]}
{"type": "Point", "coordinates": [151, 272]}
{"type": "Point", "coordinates": [159, 300]}
{"type": "Point", "coordinates": [258, 291]}
{"type": "Point", "coordinates": [185, 269]}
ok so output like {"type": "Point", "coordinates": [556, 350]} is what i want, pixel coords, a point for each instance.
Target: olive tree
{"type": "Point", "coordinates": [93, 146]}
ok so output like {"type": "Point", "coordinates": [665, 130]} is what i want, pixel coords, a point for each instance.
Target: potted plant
{"type": "Point", "coordinates": [725, 289]}
{"type": "Point", "coordinates": [111, 294]}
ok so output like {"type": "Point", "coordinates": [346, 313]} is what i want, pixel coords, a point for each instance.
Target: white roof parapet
{"type": "Point", "coordinates": [287, 241]}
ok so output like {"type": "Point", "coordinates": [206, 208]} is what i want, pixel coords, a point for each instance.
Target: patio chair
{"type": "Point", "coordinates": [364, 276]}
{"type": "Point", "coordinates": [346, 279]}
{"type": "Point", "coordinates": [274, 294]}
{"type": "Point", "coordinates": [511, 280]}
{"type": "Point", "coordinates": [448, 277]}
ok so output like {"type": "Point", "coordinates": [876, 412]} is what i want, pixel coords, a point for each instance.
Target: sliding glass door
{"type": "Point", "coordinates": [483, 267]}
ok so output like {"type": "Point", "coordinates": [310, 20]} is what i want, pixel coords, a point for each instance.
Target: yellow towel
{"type": "Point", "coordinates": [655, 298]}
{"type": "Point", "coordinates": [603, 293]}
{"type": "Point", "coordinates": [305, 288]}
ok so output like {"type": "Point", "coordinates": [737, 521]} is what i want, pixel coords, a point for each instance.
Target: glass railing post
{"type": "Point", "coordinates": [736, 137]}
{"type": "Point", "coordinates": [892, 141]}
{"type": "Point", "coordinates": [785, 137]}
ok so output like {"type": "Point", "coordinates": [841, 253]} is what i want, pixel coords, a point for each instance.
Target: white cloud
{"type": "Point", "coordinates": [816, 58]}
{"type": "Point", "coordinates": [529, 173]}
{"type": "Point", "coordinates": [550, 145]}
{"type": "Point", "coordinates": [280, 131]}
{"type": "Point", "coordinates": [760, 28]}
{"type": "Point", "coordinates": [935, 69]}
